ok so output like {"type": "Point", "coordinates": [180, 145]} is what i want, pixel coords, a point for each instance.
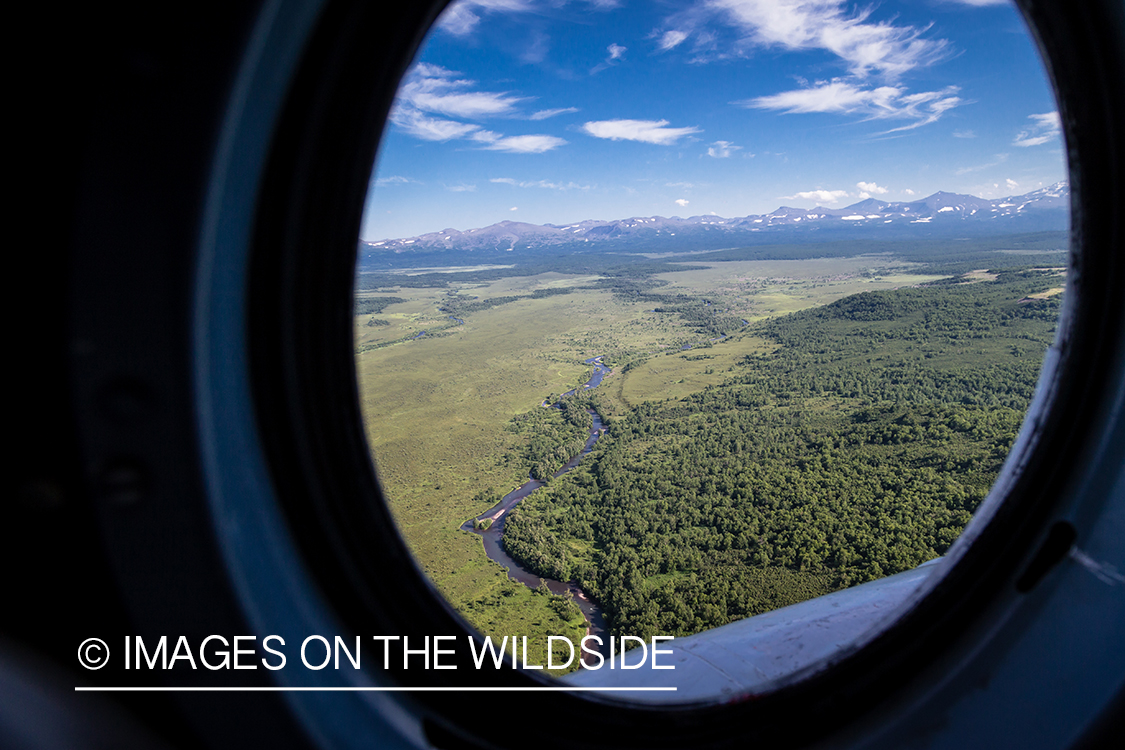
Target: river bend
{"type": "Point", "coordinates": [493, 535]}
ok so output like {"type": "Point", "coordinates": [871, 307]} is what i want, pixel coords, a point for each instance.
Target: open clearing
{"type": "Point", "coordinates": [765, 288]}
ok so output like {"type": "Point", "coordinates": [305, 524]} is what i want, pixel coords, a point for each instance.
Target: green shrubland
{"type": "Point", "coordinates": [859, 447]}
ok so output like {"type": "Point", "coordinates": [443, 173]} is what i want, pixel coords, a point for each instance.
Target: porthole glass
{"type": "Point", "coordinates": [670, 316]}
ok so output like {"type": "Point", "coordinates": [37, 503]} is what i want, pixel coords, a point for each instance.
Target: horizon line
{"type": "Point", "coordinates": [659, 216]}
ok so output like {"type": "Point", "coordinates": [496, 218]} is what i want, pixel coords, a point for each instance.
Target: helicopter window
{"type": "Point", "coordinates": [594, 351]}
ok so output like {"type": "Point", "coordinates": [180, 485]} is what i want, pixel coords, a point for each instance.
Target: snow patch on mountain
{"type": "Point", "coordinates": [1044, 208]}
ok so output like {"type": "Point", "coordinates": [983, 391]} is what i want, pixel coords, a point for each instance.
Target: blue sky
{"type": "Point", "coordinates": [554, 111]}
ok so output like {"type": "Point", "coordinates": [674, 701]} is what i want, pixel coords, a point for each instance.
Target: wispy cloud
{"type": "Point", "coordinates": [997, 160]}
{"type": "Point", "coordinates": [547, 184]}
{"type": "Point", "coordinates": [864, 46]}
{"type": "Point", "coordinates": [544, 114]}
{"type": "Point", "coordinates": [462, 18]}
{"type": "Point", "coordinates": [458, 19]}
{"type": "Point", "coordinates": [1012, 184]}
{"type": "Point", "coordinates": [1045, 128]}
{"type": "Point", "coordinates": [671, 39]}
{"type": "Point", "coordinates": [645, 131]}
{"type": "Point", "coordinates": [394, 179]}
{"type": "Point", "coordinates": [519, 144]}
{"type": "Point", "coordinates": [722, 149]}
{"type": "Point", "coordinates": [536, 46]}
{"type": "Point", "coordinates": [881, 103]}
{"type": "Point", "coordinates": [867, 49]}
{"type": "Point", "coordinates": [428, 128]}
{"type": "Point", "coordinates": [461, 188]}
{"type": "Point", "coordinates": [820, 196]}
{"type": "Point", "coordinates": [432, 88]}
{"type": "Point", "coordinates": [616, 52]}
{"type": "Point", "coordinates": [964, 134]}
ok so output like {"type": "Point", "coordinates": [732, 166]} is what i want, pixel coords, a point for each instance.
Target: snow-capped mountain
{"type": "Point", "coordinates": [938, 214]}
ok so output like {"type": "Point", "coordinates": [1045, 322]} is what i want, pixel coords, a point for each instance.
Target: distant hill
{"type": "Point", "coordinates": [939, 215]}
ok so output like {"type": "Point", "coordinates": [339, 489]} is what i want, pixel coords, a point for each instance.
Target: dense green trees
{"type": "Point", "coordinates": [373, 305]}
{"type": "Point", "coordinates": [554, 435]}
{"type": "Point", "coordinates": [460, 305]}
{"type": "Point", "coordinates": [857, 449]}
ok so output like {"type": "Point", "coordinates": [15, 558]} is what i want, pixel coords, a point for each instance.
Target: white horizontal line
{"type": "Point", "coordinates": [161, 689]}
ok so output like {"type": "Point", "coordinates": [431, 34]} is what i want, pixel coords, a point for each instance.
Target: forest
{"type": "Point", "coordinates": [555, 434]}
{"type": "Point", "coordinates": [858, 446]}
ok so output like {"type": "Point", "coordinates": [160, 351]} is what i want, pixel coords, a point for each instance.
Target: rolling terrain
{"type": "Point", "coordinates": [744, 390]}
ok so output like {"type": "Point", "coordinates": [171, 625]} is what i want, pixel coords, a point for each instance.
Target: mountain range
{"type": "Point", "coordinates": [938, 215]}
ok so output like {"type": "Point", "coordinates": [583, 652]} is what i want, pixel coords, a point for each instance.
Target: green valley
{"type": "Point", "coordinates": [777, 428]}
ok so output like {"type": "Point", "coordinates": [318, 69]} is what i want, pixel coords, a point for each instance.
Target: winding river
{"type": "Point", "coordinates": [493, 535]}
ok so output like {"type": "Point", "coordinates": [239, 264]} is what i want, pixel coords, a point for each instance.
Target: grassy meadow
{"type": "Point", "coordinates": [438, 393]}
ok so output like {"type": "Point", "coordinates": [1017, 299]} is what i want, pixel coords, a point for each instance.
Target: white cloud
{"type": "Point", "coordinates": [539, 184]}
{"type": "Point", "coordinates": [722, 149]}
{"type": "Point", "coordinates": [882, 103]}
{"type": "Point", "coordinates": [1045, 128]}
{"type": "Point", "coordinates": [864, 46]}
{"type": "Point", "coordinates": [964, 134]}
{"type": "Point", "coordinates": [458, 19]}
{"type": "Point", "coordinates": [682, 202]}
{"type": "Point", "coordinates": [394, 179]}
{"type": "Point", "coordinates": [836, 96]}
{"type": "Point", "coordinates": [670, 39]}
{"type": "Point", "coordinates": [514, 208]}
{"type": "Point", "coordinates": [688, 185]}
{"type": "Point", "coordinates": [429, 128]}
{"type": "Point", "coordinates": [462, 188]}
{"type": "Point", "coordinates": [821, 196]}
{"type": "Point", "coordinates": [868, 189]}
{"type": "Point", "coordinates": [462, 17]}
{"type": "Point", "coordinates": [1012, 184]}
{"type": "Point", "coordinates": [544, 114]}
{"type": "Point", "coordinates": [645, 131]}
{"type": "Point", "coordinates": [433, 129]}
{"type": "Point", "coordinates": [981, 3]}
{"type": "Point", "coordinates": [432, 88]}
{"type": "Point", "coordinates": [908, 191]}
{"type": "Point", "coordinates": [525, 144]}
{"type": "Point", "coordinates": [616, 52]}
